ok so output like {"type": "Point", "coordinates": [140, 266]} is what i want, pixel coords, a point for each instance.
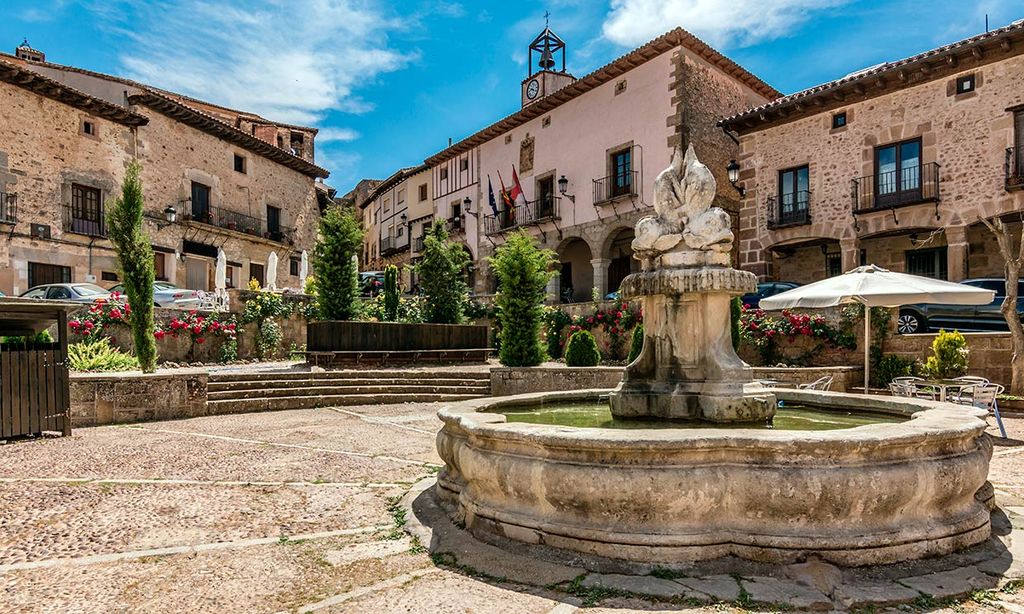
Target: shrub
{"type": "Point", "coordinates": [523, 271]}
{"type": "Point", "coordinates": [949, 356]}
{"type": "Point", "coordinates": [93, 322]}
{"type": "Point", "coordinates": [442, 274]}
{"type": "Point", "coordinates": [581, 351]}
{"type": "Point", "coordinates": [636, 343]}
{"type": "Point", "coordinates": [199, 328]}
{"type": "Point", "coordinates": [99, 355]}
{"type": "Point", "coordinates": [261, 309]}
{"type": "Point", "coordinates": [135, 257]}
{"type": "Point", "coordinates": [337, 276]}
{"type": "Point", "coordinates": [890, 367]}
{"type": "Point", "coordinates": [390, 293]}
{"type": "Point", "coordinates": [42, 336]}
{"type": "Point", "coordinates": [409, 309]}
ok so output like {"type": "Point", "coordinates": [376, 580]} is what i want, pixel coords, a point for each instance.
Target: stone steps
{"type": "Point", "coordinates": [230, 406]}
{"type": "Point", "coordinates": [246, 392]}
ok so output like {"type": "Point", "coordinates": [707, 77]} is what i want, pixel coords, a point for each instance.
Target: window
{"type": "Point", "coordinates": [464, 164]}
{"type": "Point", "coordinates": [833, 264]}
{"type": "Point", "coordinates": [86, 211]}
{"type": "Point", "coordinates": [898, 173]}
{"type": "Point", "coordinates": [546, 196]}
{"type": "Point", "coordinates": [88, 127]}
{"type": "Point", "coordinates": [399, 230]}
{"type": "Point", "coordinates": [58, 293]}
{"type": "Point", "coordinates": [928, 262]}
{"type": "Point", "coordinates": [256, 272]}
{"type": "Point", "coordinates": [280, 142]}
{"type": "Point", "coordinates": [508, 139]}
{"type": "Point", "coordinates": [40, 274]}
{"type": "Point", "coordinates": [620, 86]}
{"type": "Point", "coordinates": [231, 275]}
{"type": "Point", "coordinates": [274, 223]}
{"type": "Point", "coordinates": [160, 266]}
{"type": "Point", "coordinates": [400, 203]}
{"type": "Point", "coordinates": [293, 266]}
{"type": "Point", "coordinates": [423, 192]}
{"type": "Point", "coordinates": [443, 173]}
{"type": "Point", "coordinates": [201, 202]}
{"type": "Point", "coordinates": [794, 194]}
{"type": "Point", "coordinates": [622, 172]}
{"type": "Point", "coordinates": [544, 123]}
{"type": "Point", "coordinates": [839, 120]}
{"type": "Point", "coordinates": [1017, 172]}
{"type": "Point", "coordinates": [108, 276]}
{"type": "Point", "coordinates": [965, 84]}
{"type": "Point", "coordinates": [239, 163]}
{"type": "Point", "coordinates": [39, 231]}
{"type": "Point", "coordinates": [297, 142]}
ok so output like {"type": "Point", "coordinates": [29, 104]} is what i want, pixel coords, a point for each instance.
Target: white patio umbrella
{"type": "Point", "coordinates": [220, 277]}
{"type": "Point", "coordinates": [303, 270]}
{"type": "Point", "coordinates": [874, 286]}
{"type": "Point", "coordinates": [272, 271]}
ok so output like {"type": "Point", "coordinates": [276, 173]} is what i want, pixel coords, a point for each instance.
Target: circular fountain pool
{"type": "Point", "coordinates": [896, 480]}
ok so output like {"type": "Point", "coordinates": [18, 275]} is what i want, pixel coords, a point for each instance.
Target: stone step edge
{"type": "Point", "coordinates": [345, 391]}
{"type": "Point", "coordinates": [349, 373]}
{"type": "Point", "coordinates": [215, 407]}
{"type": "Point", "coordinates": [259, 384]}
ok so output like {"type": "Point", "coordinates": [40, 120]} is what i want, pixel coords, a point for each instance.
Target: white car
{"type": "Point", "coordinates": [166, 294]}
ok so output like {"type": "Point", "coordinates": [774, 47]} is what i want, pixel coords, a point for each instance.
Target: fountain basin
{"type": "Point", "coordinates": [873, 494]}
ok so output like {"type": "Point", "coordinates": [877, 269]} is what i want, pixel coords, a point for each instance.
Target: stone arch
{"type": "Point", "coordinates": [576, 272]}
{"type": "Point", "coordinates": [617, 255]}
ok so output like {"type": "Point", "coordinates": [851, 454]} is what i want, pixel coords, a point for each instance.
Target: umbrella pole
{"type": "Point", "coordinates": [867, 347]}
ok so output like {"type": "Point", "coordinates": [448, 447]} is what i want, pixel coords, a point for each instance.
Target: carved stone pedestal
{"type": "Point", "coordinates": [688, 368]}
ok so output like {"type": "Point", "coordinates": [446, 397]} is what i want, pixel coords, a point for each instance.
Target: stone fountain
{"type": "Point", "coordinates": [688, 368]}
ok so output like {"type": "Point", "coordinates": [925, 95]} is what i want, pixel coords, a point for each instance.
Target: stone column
{"type": "Point", "coordinates": [956, 252]}
{"type": "Point", "coordinates": [601, 275]}
{"type": "Point", "coordinates": [850, 248]}
{"type": "Point", "coordinates": [555, 289]}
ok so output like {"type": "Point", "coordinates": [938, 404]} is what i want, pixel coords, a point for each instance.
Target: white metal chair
{"type": "Point", "coordinates": [822, 383]}
{"type": "Point", "coordinates": [987, 398]}
{"type": "Point", "coordinates": [898, 389]}
{"type": "Point", "coordinates": [207, 301]}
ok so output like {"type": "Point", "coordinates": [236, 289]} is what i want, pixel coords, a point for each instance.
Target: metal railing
{"type": "Point", "coordinates": [456, 224]}
{"type": "Point", "coordinates": [8, 208]}
{"type": "Point", "coordinates": [282, 234]}
{"type": "Point", "coordinates": [417, 244]}
{"type": "Point", "coordinates": [89, 221]}
{"type": "Point", "coordinates": [530, 212]}
{"type": "Point", "coordinates": [241, 222]}
{"type": "Point", "coordinates": [1014, 168]}
{"type": "Point", "coordinates": [387, 245]}
{"type": "Point", "coordinates": [791, 209]}
{"type": "Point", "coordinates": [616, 186]}
{"type": "Point", "coordinates": [907, 186]}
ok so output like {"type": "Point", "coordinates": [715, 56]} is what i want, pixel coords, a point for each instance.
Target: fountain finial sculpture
{"type": "Point", "coordinates": [688, 368]}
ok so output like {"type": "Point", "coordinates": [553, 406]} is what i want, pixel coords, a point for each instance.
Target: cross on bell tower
{"type": "Point", "coordinates": [542, 78]}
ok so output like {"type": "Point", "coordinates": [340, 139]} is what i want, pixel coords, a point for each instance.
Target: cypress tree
{"type": "Point", "coordinates": [391, 293]}
{"type": "Point", "coordinates": [337, 275]}
{"type": "Point", "coordinates": [523, 271]}
{"type": "Point", "coordinates": [442, 277]}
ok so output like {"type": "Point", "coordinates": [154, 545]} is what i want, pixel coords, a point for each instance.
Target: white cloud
{"type": "Point", "coordinates": [289, 60]}
{"type": "Point", "coordinates": [336, 135]}
{"type": "Point", "coordinates": [719, 22]}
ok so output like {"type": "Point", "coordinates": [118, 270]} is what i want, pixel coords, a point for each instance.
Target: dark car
{"type": "Point", "coordinates": [766, 289]}
{"type": "Point", "coordinates": [921, 318]}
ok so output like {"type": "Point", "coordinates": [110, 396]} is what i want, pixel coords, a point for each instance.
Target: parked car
{"type": "Point", "coordinates": [76, 293]}
{"type": "Point", "coordinates": [921, 318]}
{"type": "Point", "coordinates": [766, 289]}
{"type": "Point", "coordinates": [371, 282]}
{"type": "Point", "coordinates": [166, 294]}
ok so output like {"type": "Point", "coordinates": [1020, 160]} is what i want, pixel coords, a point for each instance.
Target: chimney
{"type": "Point", "coordinates": [25, 52]}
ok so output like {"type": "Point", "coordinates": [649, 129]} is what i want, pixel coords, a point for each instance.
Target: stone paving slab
{"type": "Point", "coordinates": [716, 587]}
{"type": "Point", "coordinates": [787, 592]}
{"type": "Point", "coordinates": [949, 584]}
{"type": "Point", "coordinates": [640, 585]}
{"type": "Point", "coordinates": [873, 594]}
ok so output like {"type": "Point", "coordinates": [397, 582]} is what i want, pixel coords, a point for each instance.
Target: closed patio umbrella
{"type": "Point", "coordinates": [303, 270]}
{"type": "Point", "coordinates": [874, 286]}
{"type": "Point", "coordinates": [272, 271]}
{"type": "Point", "coordinates": [220, 277]}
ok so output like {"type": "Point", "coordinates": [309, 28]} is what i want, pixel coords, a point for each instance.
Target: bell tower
{"type": "Point", "coordinates": [542, 78]}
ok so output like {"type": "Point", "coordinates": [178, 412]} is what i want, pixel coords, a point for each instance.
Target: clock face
{"type": "Point", "coordinates": [532, 89]}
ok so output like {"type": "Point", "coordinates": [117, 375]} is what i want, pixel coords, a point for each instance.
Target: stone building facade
{"type": "Point", "coordinates": [603, 138]}
{"type": "Point", "coordinates": [394, 215]}
{"type": "Point", "coordinates": [894, 165]}
{"type": "Point", "coordinates": [66, 137]}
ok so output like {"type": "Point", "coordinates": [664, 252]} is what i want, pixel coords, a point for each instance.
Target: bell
{"type": "Point", "coordinates": [546, 61]}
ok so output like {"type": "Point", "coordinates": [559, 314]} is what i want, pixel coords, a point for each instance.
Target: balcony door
{"type": "Point", "coordinates": [546, 197]}
{"type": "Point", "coordinates": [622, 172]}
{"type": "Point", "coordinates": [200, 202]}
{"type": "Point", "coordinates": [898, 173]}
{"type": "Point", "coordinates": [794, 190]}
{"type": "Point", "coordinates": [274, 222]}
{"type": "Point", "coordinates": [1018, 141]}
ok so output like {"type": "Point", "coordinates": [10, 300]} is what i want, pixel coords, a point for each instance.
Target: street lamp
{"type": "Point", "coordinates": [170, 214]}
{"type": "Point", "coordinates": [563, 185]}
{"type": "Point", "coordinates": [466, 202]}
{"type": "Point", "coordinates": [733, 169]}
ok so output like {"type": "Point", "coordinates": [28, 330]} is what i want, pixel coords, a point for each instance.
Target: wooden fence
{"type": "Point", "coordinates": [34, 394]}
{"type": "Point", "coordinates": [345, 336]}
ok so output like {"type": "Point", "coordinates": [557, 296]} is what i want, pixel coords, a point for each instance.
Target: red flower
{"type": "Point", "coordinates": [89, 324]}
{"type": "Point", "coordinates": [158, 334]}
{"type": "Point", "coordinates": [618, 314]}
{"type": "Point", "coordinates": [197, 329]}
{"type": "Point", "coordinates": [753, 326]}
{"type": "Point", "coordinates": [599, 315]}
{"type": "Point", "coordinates": [191, 312]}
{"type": "Point", "coordinates": [199, 320]}
{"type": "Point", "coordinates": [200, 340]}
{"type": "Point", "coordinates": [74, 324]}
{"type": "Point", "coordinates": [590, 320]}
{"type": "Point", "coordinates": [231, 327]}
{"type": "Point", "coordinates": [115, 313]}
{"type": "Point", "coordinates": [805, 331]}
{"type": "Point", "coordinates": [215, 325]}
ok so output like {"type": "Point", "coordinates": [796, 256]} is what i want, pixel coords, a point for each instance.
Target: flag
{"type": "Point", "coordinates": [504, 193]}
{"type": "Point", "coordinates": [490, 197]}
{"type": "Point", "coordinates": [517, 188]}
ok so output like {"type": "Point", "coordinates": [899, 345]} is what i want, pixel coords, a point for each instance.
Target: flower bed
{"type": "Point", "coordinates": [611, 324]}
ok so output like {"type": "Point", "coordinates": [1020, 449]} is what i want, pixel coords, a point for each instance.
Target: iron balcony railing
{"type": "Point", "coordinates": [616, 186]}
{"type": "Point", "coordinates": [906, 186]}
{"type": "Point", "coordinates": [791, 209]}
{"type": "Point", "coordinates": [457, 224]}
{"type": "Point", "coordinates": [89, 221]}
{"type": "Point", "coordinates": [387, 245]}
{"type": "Point", "coordinates": [8, 208]}
{"type": "Point", "coordinates": [417, 244]}
{"type": "Point", "coordinates": [1014, 168]}
{"type": "Point", "coordinates": [530, 212]}
{"type": "Point", "coordinates": [241, 222]}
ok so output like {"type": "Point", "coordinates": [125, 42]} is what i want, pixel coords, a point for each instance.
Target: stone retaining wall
{"type": "Point", "coordinates": [135, 397]}
{"type": "Point", "coordinates": [990, 352]}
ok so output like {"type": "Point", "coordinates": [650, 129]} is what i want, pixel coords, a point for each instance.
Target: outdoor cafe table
{"type": "Point", "coordinates": [943, 386]}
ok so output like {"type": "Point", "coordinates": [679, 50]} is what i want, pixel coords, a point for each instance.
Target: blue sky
{"type": "Point", "coordinates": [389, 82]}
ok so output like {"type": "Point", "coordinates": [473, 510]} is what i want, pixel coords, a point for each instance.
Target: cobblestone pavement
{"type": "Point", "coordinates": [270, 512]}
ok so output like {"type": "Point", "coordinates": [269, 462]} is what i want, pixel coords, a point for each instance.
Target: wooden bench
{"type": "Point", "coordinates": [382, 357]}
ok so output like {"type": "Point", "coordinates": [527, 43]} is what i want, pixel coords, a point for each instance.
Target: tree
{"type": "Point", "coordinates": [523, 271]}
{"type": "Point", "coordinates": [1013, 263]}
{"type": "Point", "coordinates": [135, 257]}
{"type": "Point", "coordinates": [442, 274]}
{"type": "Point", "coordinates": [337, 276]}
{"type": "Point", "coordinates": [390, 293]}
